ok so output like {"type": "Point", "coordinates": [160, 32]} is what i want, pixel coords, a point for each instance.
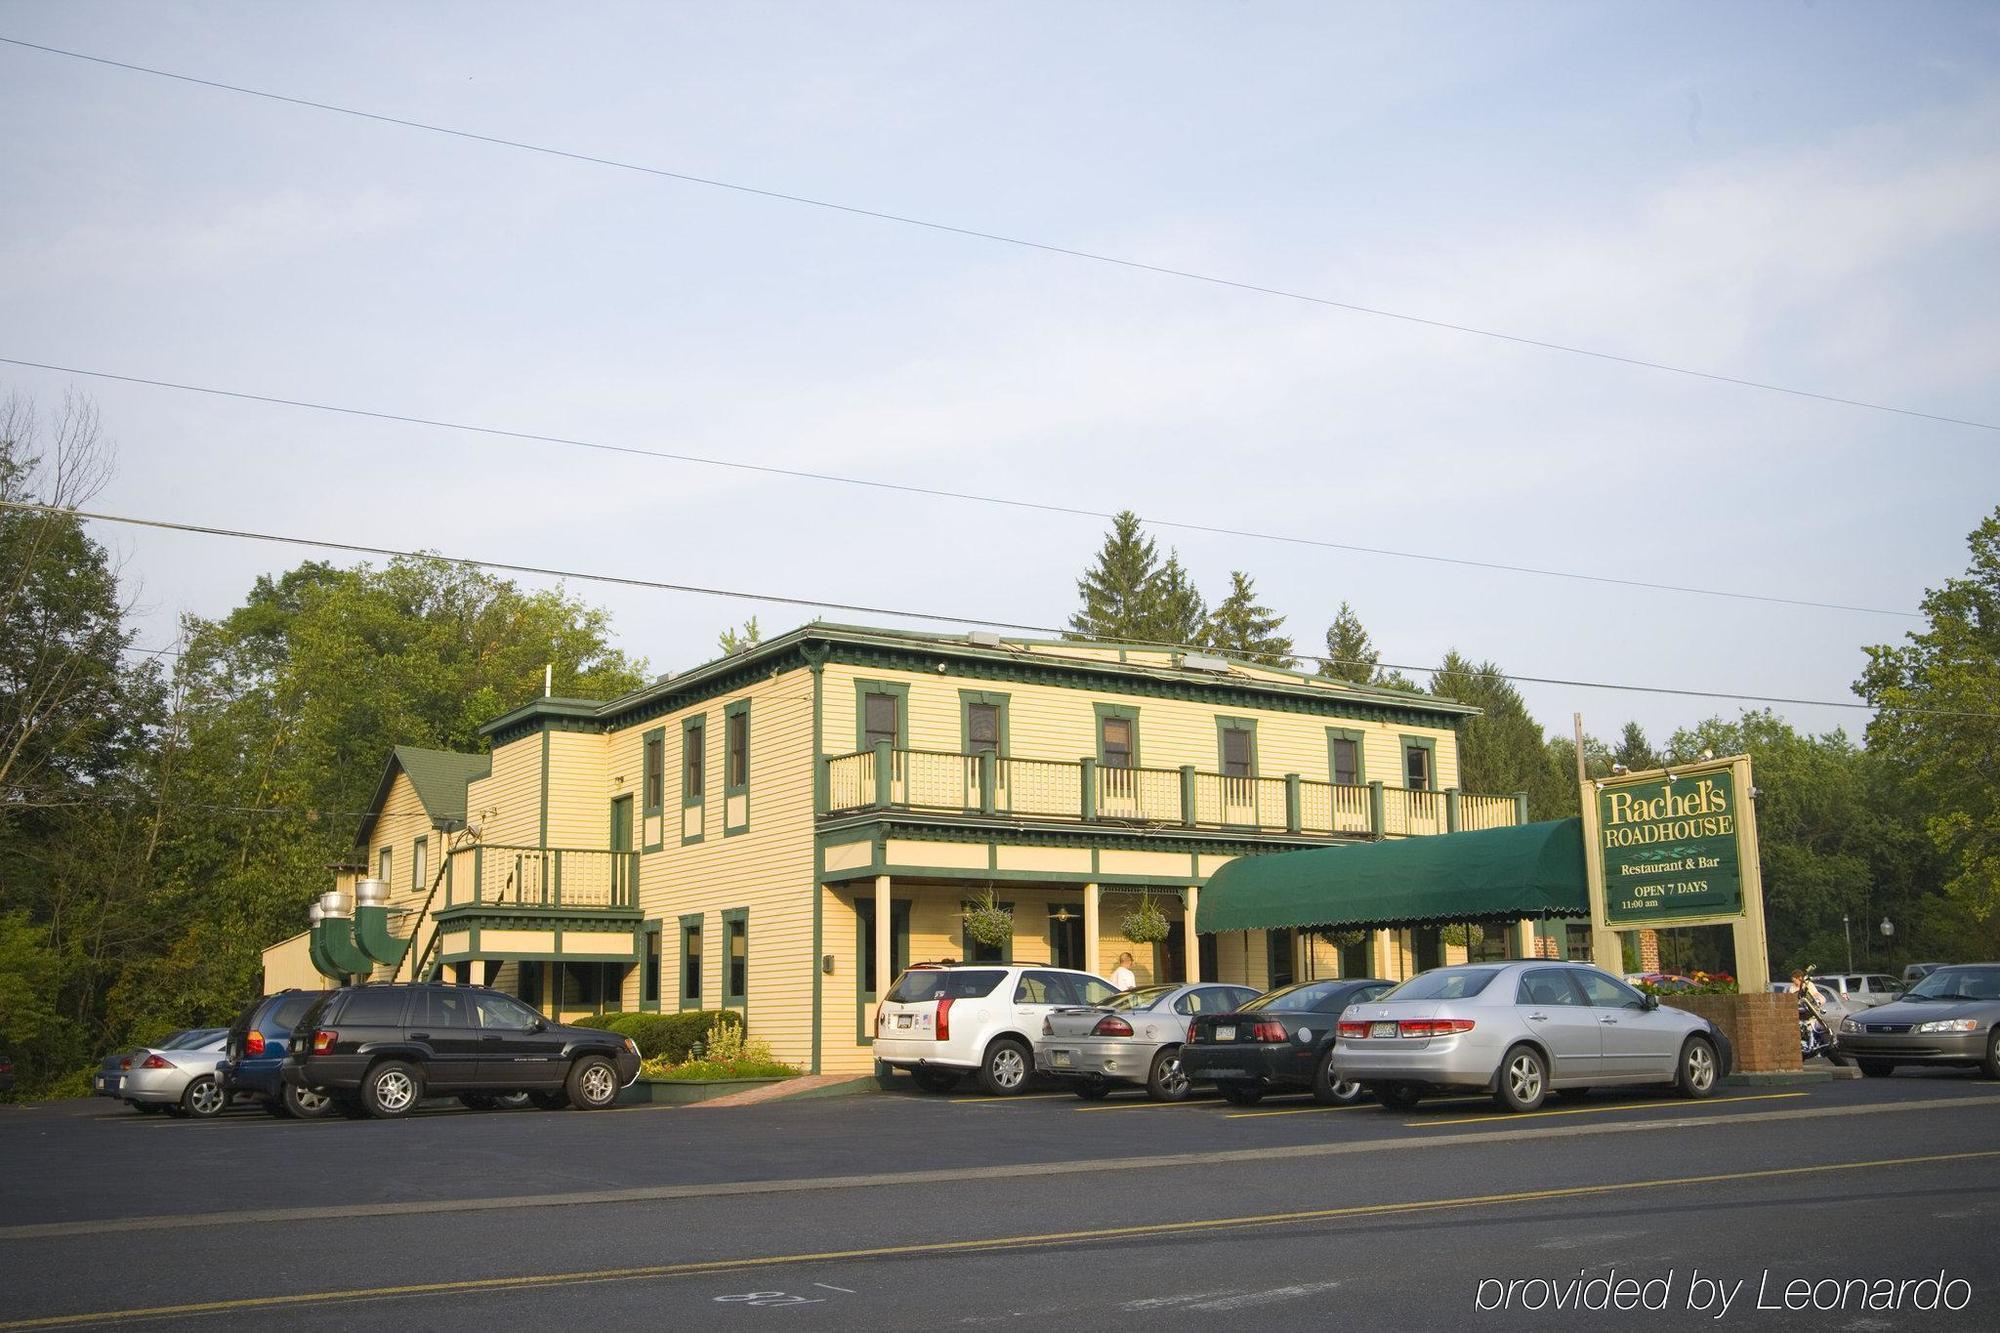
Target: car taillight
{"type": "Point", "coordinates": [1268, 1032]}
{"type": "Point", "coordinates": [1111, 1025]}
{"type": "Point", "coordinates": [1191, 1036]}
{"type": "Point", "coordinates": [1353, 1029]}
{"type": "Point", "coordinates": [1048, 1028]}
{"type": "Point", "coordinates": [125, 1062]}
{"type": "Point", "coordinates": [323, 1040]}
{"type": "Point", "coordinates": [253, 1042]}
{"type": "Point", "coordinates": [1433, 1027]}
{"type": "Point", "coordinates": [942, 1029]}
{"type": "Point", "coordinates": [156, 1062]}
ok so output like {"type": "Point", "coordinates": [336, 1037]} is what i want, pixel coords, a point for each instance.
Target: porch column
{"type": "Point", "coordinates": [882, 945]}
{"type": "Point", "coordinates": [1090, 930]}
{"type": "Point", "coordinates": [1193, 943]}
{"type": "Point", "coordinates": [1523, 944]}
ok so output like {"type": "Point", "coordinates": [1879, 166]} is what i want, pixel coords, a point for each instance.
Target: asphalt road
{"type": "Point", "coordinates": [907, 1211]}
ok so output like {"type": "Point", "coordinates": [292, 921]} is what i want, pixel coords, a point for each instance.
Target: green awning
{"type": "Point", "coordinates": [1527, 870]}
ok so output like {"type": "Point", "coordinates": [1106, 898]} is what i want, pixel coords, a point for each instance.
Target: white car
{"type": "Point", "coordinates": [942, 1021]}
{"type": "Point", "coordinates": [1862, 990]}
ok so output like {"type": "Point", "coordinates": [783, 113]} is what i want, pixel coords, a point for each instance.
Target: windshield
{"type": "Point", "coordinates": [192, 1038]}
{"type": "Point", "coordinates": [1145, 997]}
{"type": "Point", "coordinates": [1444, 983]}
{"type": "Point", "coordinates": [937, 983]}
{"type": "Point", "coordinates": [1307, 995]}
{"type": "Point", "coordinates": [1958, 983]}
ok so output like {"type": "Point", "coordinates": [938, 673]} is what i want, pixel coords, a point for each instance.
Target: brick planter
{"type": "Point", "coordinates": [1763, 1030]}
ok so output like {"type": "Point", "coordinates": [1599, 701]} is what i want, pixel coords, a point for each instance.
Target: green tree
{"type": "Point", "coordinates": [1176, 611]}
{"type": "Point", "coordinates": [1633, 750]}
{"type": "Point", "coordinates": [1501, 750]}
{"type": "Point", "coordinates": [734, 640]}
{"type": "Point", "coordinates": [1118, 590]}
{"type": "Point", "coordinates": [1350, 654]}
{"type": "Point", "coordinates": [1937, 694]}
{"type": "Point", "coordinates": [1242, 627]}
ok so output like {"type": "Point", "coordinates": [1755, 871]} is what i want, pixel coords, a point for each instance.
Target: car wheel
{"type": "Point", "coordinates": [1523, 1081]}
{"type": "Point", "coordinates": [1331, 1091]}
{"type": "Point", "coordinates": [937, 1080]}
{"type": "Point", "coordinates": [1397, 1096]}
{"type": "Point", "coordinates": [1990, 1066]}
{"type": "Point", "coordinates": [1004, 1071]}
{"type": "Point", "coordinates": [473, 1101]}
{"type": "Point", "coordinates": [1876, 1068]}
{"type": "Point", "coordinates": [305, 1104]}
{"type": "Point", "coordinates": [204, 1098]}
{"type": "Point", "coordinates": [1240, 1094]}
{"type": "Point", "coordinates": [1697, 1072]}
{"type": "Point", "coordinates": [593, 1083]}
{"type": "Point", "coordinates": [549, 1101]}
{"type": "Point", "coordinates": [392, 1090]}
{"type": "Point", "coordinates": [1092, 1089]}
{"type": "Point", "coordinates": [1167, 1081]}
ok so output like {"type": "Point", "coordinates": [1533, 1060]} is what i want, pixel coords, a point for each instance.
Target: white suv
{"type": "Point", "coordinates": [1863, 990]}
{"type": "Point", "coordinates": [942, 1021]}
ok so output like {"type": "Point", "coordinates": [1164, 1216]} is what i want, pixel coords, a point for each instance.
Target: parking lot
{"type": "Point", "coordinates": [881, 1197]}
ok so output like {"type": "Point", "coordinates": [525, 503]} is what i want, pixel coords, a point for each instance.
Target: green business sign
{"type": "Point", "coordinates": [1669, 849]}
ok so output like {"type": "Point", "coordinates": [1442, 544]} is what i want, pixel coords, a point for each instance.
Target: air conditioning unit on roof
{"type": "Point", "coordinates": [1203, 662]}
{"type": "Point", "coordinates": [983, 638]}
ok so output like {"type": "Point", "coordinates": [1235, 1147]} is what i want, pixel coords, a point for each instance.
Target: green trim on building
{"type": "Point", "coordinates": [993, 698]}
{"type": "Point", "coordinates": [543, 840]}
{"type": "Point", "coordinates": [1100, 711]}
{"type": "Point", "coordinates": [1224, 724]}
{"type": "Point", "coordinates": [652, 945]}
{"type": "Point", "coordinates": [740, 708]}
{"type": "Point", "coordinates": [1360, 739]}
{"type": "Point", "coordinates": [814, 661]}
{"type": "Point", "coordinates": [1428, 744]}
{"type": "Point", "coordinates": [736, 916]}
{"type": "Point", "coordinates": [899, 948]}
{"type": "Point", "coordinates": [862, 689]}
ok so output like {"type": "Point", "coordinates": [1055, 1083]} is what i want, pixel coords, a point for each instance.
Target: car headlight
{"type": "Point", "coordinates": [1849, 1025]}
{"type": "Point", "coordinates": [631, 1046]}
{"type": "Point", "coordinates": [1950, 1025]}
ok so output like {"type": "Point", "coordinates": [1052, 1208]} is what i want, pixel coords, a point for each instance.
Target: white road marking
{"type": "Point", "coordinates": [824, 1287]}
{"type": "Point", "coordinates": [1578, 1242]}
{"type": "Point", "coordinates": [1165, 1302]}
{"type": "Point", "coordinates": [1271, 1297]}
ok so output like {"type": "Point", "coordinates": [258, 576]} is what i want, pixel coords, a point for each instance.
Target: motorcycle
{"type": "Point", "coordinates": [1817, 1021]}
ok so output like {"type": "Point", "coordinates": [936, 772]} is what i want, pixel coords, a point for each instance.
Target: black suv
{"type": "Point", "coordinates": [384, 1048]}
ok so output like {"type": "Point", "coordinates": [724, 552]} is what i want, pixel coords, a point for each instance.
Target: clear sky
{"type": "Point", "coordinates": [1807, 194]}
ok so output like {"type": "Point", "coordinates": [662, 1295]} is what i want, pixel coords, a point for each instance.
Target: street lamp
{"type": "Point", "coordinates": [1888, 929]}
{"type": "Point", "coordinates": [1849, 935]}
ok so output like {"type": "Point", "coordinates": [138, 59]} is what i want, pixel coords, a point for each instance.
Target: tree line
{"type": "Point", "coordinates": [168, 810]}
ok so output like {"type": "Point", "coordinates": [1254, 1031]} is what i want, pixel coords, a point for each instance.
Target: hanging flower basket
{"type": "Point", "coordinates": [988, 923]}
{"type": "Point", "coordinates": [1146, 923]}
{"type": "Point", "coordinates": [1345, 939]}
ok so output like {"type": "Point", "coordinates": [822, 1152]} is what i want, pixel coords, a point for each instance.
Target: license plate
{"type": "Point", "coordinates": [1060, 1059]}
{"type": "Point", "coordinates": [1381, 1029]}
{"type": "Point", "coordinates": [1225, 1034]}
{"type": "Point", "coordinates": [902, 1020]}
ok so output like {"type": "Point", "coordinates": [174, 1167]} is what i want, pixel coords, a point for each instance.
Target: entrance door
{"type": "Point", "coordinates": [1354, 958]}
{"type": "Point", "coordinates": [1066, 935]}
{"type": "Point", "coordinates": [1282, 972]}
{"type": "Point", "coordinates": [621, 841]}
{"type": "Point", "coordinates": [1170, 956]}
{"type": "Point", "coordinates": [1429, 944]}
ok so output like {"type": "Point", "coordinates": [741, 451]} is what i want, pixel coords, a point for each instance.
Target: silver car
{"type": "Point", "coordinates": [1519, 1031]}
{"type": "Point", "coordinates": [1951, 1017]}
{"type": "Point", "coordinates": [178, 1078]}
{"type": "Point", "coordinates": [1133, 1038]}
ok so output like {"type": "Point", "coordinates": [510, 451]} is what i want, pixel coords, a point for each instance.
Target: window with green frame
{"type": "Point", "coordinates": [982, 722]}
{"type": "Point", "coordinates": [1344, 757]}
{"type": "Point", "coordinates": [1117, 735]}
{"type": "Point", "coordinates": [1236, 746]}
{"type": "Point", "coordinates": [691, 961]}
{"type": "Point", "coordinates": [736, 957]}
{"type": "Point", "coordinates": [736, 767]}
{"type": "Point", "coordinates": [385, 863]}
{"type": "Point", "coordinates": [653, 763]}
{"type": "Point", "coordinates": [868, 986]}
{"type": "Point", "coordinates": [419, 863]}
{"type": "Point", "coordinates": [694, 760]}
{"type": "Point", "coordinates": [881, 713]}
{"type": "Point", "coordinates": [1420, 763]}
{"type": "Point", "coordinates": [652, 939]}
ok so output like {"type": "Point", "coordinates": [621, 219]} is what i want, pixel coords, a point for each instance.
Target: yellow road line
{"type": "Point", "coordinates": [1152, 1106]}
{"type": "Point", "coordinates": [1683, 1102]}
{"type": "Point", "coordinates": [1002, 1101]}
{"type": "Point", "coordinates": [1046, 1239]}
{"type": "Point", "coordinates": [1300, 1110]}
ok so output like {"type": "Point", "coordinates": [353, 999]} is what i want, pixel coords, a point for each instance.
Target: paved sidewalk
{"type": "Point", "coordinates": [809, 1085]}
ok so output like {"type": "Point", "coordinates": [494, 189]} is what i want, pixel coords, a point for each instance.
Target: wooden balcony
{"type": "Point", "coordinates": [488, 877]}
{"type": "Point", "coordinates": [1088, 792]}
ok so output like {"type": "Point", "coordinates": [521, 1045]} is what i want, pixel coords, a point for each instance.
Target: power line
{"type": "Point", "coordinates": [108, 801]}
{"type": "Point", "coordinates": [908, 488]}
{"type": "Point", "coordinates": [779, 599]}
{"type": "Point", "coordinates": [1044, 247]}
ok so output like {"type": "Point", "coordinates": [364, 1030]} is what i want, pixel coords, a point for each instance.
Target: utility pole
{"type": "Point", "coordinates": [1582, 777]}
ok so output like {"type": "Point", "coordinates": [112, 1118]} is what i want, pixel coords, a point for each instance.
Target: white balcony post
{"type": "Point", "coordinates": [881, 944]}
{"type": "Point", "coordinates": [1193, 943]}
{"type": "Point", "coordinates": [1090, 961]}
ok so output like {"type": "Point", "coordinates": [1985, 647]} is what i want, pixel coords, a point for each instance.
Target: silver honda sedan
{"type": "Point", "coordinates": [1521, 1030]}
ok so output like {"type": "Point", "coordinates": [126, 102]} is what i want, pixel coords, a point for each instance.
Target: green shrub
{"type": "Point", "coordinates": [664, 1036]}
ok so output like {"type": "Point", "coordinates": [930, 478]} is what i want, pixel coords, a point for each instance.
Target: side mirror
{"type": "Point", "coordinates": [539, 1025]}
{"type": "Point", "coordinates": [1649, 1002]}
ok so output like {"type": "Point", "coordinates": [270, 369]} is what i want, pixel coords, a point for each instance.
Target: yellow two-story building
{"type": "Point", "coordinates": [780, 830]}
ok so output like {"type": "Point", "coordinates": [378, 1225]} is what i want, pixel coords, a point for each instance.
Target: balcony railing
{"type": "Point", "coordinates": [571, 878]}
{"type": "Point", "coordinates": [1089, 791]}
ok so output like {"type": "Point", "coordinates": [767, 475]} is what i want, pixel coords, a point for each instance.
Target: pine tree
{"type": "Point", "coordinates": [1502, 750]}
{"type": "Point", "coordinates": [1178, 612]}
{"type": "Point", "coordinates": [1353, 654]}
{"type": "Point", "coordinates": [1633, 750]}
{"type": "Point", "coordinates": [1117, 590]}
{"type": "Point", "coordinates": [1240, 627]}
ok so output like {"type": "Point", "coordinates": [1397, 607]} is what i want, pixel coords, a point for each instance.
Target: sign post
{"type": "Point", "coordinates": [1676, 847]}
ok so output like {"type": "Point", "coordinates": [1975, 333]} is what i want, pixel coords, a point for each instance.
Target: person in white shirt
{"type": "Point", "coordinates": [1121, 975]}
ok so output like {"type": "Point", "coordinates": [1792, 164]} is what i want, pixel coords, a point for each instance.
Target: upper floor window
{"type": "Point", "coordinates": [881, 720]}
{"type": "Point", "coordinates": [656, 771]}
{"type": "Point", "coordinates": [736, 756]}
{"type": "Point", "coordinates": [1417, 767]}
{"type": "Point", "coordinates": [419, 862]}
{"type": "Point", "coordinates": [1239, 749]}
{"type": "Point", "coordinates": [694, 741]}
{"type": "Point", "coordinates": [1115, 741]}
{"type": "Point", "coordinates": [385, 861]}
{"type": "Point", "coordinates": [982, 727]}
{"type": "Point", "coordinates": [1346, 761]}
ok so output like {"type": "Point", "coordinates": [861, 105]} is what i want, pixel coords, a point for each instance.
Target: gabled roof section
{"type": "Point", "coordinates": [440, 778]}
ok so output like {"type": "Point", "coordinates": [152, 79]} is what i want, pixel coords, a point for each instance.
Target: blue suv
{"type": "Point", "coordinates": [255, 1053]}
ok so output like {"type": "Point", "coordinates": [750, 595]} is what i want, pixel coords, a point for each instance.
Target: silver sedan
{"type": "Point", "coordinates": [1133, 1038]}
{"type": "Point", "coordinates": [1519, 1031]}
{"type": "Point", "coordinates": [179, 1078]}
